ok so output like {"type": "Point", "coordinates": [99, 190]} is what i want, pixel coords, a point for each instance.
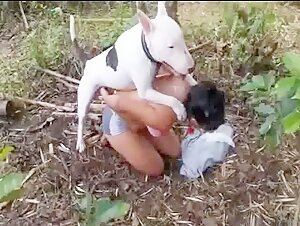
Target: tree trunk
{"type": "Point", "coordinates": [142, 6]}
{"type": "Point", "coordinates": [150, 9]}
{"type": "Point", "coordinates": [172, 8]}
{"type": "Point", "coordinates": [8, 7]}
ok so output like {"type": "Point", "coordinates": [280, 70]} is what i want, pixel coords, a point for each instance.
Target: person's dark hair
{"type": "Point", "coordinates": [206, 104]}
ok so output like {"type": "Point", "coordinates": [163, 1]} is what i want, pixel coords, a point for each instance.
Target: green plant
{"type": "Point", "coordinates": [98, 211]}
{"type": "Point", "coordinates": [46, 44]}
{"type": "Point", "coordinates": [113, 32]}
{"type": "Point", "coordinates": [249, 35]}
{"type": "Point", "coordinates": [11, 186]}
{"type": "Point", "coordinates": [277, 100]}
{"type": "Point", "coordinates": [4, 152]}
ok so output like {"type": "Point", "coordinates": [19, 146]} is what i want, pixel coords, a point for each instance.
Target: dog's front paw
{"type": "Point", "coordinates": [180, 112]}
{"type": "Point", "coordinates": [80, 146]}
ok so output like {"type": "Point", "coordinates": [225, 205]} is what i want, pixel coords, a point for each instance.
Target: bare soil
{"type": "Point", "coordinates": [252, 187]}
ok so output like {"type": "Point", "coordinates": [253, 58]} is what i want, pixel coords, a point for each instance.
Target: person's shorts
{"type": "Point", "coordinates": [112, 123]}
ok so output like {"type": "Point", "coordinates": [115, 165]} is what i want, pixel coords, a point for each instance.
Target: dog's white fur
{"type": "Point", "coordinates": [72, 28]}
{"type": "Point", "coordinates": [165, 42]}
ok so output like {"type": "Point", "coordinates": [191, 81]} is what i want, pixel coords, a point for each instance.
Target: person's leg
{"type": "Point", "coordinates": [138, 152]}
{"type": "Point", "coordinates": [167, 144]}
{"type": "Point", "coordinates": [135, 148]}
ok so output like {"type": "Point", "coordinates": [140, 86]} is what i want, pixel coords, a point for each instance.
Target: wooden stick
{"type": "Point", "coordinates": [71, 86]}
{"type": "Point", "coordinates": [45, 104]}
{"type": "Point", "coordinates": [103, 19]}
{"type": "Point", "coordinates": [194, 49]}
{"type": "Point", "coordinates": [23, 16]}
{"type": "Point", "coordinates": [97, 107]}
{"type": "Point", "coordinates": [56, 74]}
{"type": "Point", "coordinates": [92, 116]}
{"type": "Point", "coordinates": [93, 107]}
{"type": "Point", "coordinates": [3, 107]}
{"type": "Point", "coordinates": [12, 109]}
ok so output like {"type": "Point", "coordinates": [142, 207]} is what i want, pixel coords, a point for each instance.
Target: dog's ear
{"type": "Point", "coordinates": [145, 22]}
{"type": "Point", "coordinates": [161, 9]}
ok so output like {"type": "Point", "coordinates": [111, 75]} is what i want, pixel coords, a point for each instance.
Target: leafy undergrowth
{"type": "Point", "coordinates": [277, 99]}
{"type": "Point", "coordinates": [252, 187]}
{"type": "Point", "coordinates": [47, 44]}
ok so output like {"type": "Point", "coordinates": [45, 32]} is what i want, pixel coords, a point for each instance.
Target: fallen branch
{"type": "Point", "coordinates": [103, 19]}
{"type": "Point", "coordinates": [23, 16]}
{"type": "Point", "coordinates": [71, 86]}
{"type": "Point", "coordinates": [3, 107]}
{"type": "Point", "coordinates": [92, 116]}
{"type": "Point", "coordinates": [97, 107]}
{"type": "Point", "coordinates": [58, 75]}
{"type": "Point", "coordinates": [93, 107]}
{"type": "Point", "coordinates": [11, 109]}
{"type": "Point", "coordinates": [45, 104]}
{"type": "Point", "coordinates": [194, 49]}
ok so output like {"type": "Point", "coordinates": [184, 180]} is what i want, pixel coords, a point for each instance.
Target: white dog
{"type": "Point", "coordinates": [133, 61]}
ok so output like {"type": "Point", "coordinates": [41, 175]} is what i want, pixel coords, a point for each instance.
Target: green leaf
{"type": "Point", "coordinates": [297, 94]}
{"type": "Point", "coordinates": [259, 81]}
{"type": "Point", "coordinates": [256, 26]}
{"type": "Point", "coordinates": [269, 81]}
{"type": "Point", "coordinates": [264, 109]}
{"type": "Point", "coordinates": [86, 202]}
{"type": "Point", "coordinates": [291, 62]}
{"type": "Point", "coordinates": [291, 123]}
{"type": "Point", "coordinates": [266, 126]}
{"type": "Point", "coordinates": [273, 136]}
{"type": "Point", "coordinates": [283, 86]}
{"type": "Point", "coordinates": [270, 18]}
{"type": "Point", "coordinates": [11, 186]}
{"type": "Point", "coordinates": [5, 151]}
{"type": "Point", "coordinates": [287, 106]}
{"type": "Point", "coordinates": [250, 86]}
{"type": "Point", "coordinates": [107, 210]}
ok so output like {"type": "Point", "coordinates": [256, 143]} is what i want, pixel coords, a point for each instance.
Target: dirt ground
{"type": "Point", "coordinates": [252, 187]}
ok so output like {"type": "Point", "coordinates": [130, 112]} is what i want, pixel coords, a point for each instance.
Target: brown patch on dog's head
{"type": "Point", "coordinates": [206, 104]}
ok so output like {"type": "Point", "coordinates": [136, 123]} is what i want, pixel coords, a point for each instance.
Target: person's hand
{"type": "Point", "coordinates": [110, 99]}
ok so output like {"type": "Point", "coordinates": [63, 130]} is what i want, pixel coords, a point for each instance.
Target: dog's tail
{"type": "Point", "coordinates": [78, 52]}
{"type": "Point", "coordinates": [72, 28]}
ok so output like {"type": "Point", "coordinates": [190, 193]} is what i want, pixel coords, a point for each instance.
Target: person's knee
{"type": "Point", "coordinates": [144, 159]}
{"type": "Point", "coordinates": [177, 152]}
{"type": "Point", "coordinates": [173, 145]}
{"type": "Point", "coordinates": [153, 168]}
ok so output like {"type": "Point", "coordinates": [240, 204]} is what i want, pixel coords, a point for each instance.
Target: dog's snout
{"type": "Point", "coordinates": [191, 70]}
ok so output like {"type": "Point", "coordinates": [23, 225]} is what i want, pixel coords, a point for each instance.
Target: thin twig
{"type": "Point", "coordinates": [56, 74]}
{"type": "Point", "coordinates": [71, 86]}
{"type": "Point", "coordinates": [92, 116]}
{"type": "Point", "coordinates": [23, 16]}
{"type": "Point", "coordinates": [45, 104]}
{"type": "Point", "coordinates": [93, 106]}
{"type": "Point", "coordinates": [194, 49]}
{"type": "Point", "coordinates": [296, 216]}
{"type": "Point", "coordinates": [103, 19]}
{"type": "Point", "coordinates": [97, 107]}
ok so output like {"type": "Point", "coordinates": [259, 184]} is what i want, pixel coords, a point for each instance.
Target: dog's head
{"type": "Point", "coordinates": [165, 40]}
{"type": "Point", "coordinates": [206, 104]}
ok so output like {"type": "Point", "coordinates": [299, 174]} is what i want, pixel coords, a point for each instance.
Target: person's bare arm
{"type": "Point", "coordinates": [129, 104]}
{"type": "Point", "coordinates": [157, 116]}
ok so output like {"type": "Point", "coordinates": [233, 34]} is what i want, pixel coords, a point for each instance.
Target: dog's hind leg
{"type": "Point", "coordinates": [85, 93]}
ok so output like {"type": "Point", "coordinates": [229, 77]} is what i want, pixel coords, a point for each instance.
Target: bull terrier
{"type": "Point", "coordinates": [133, 61]}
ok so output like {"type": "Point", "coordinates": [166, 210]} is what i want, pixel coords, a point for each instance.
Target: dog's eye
{"type": "Point", "coordinates": [171, 47]}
